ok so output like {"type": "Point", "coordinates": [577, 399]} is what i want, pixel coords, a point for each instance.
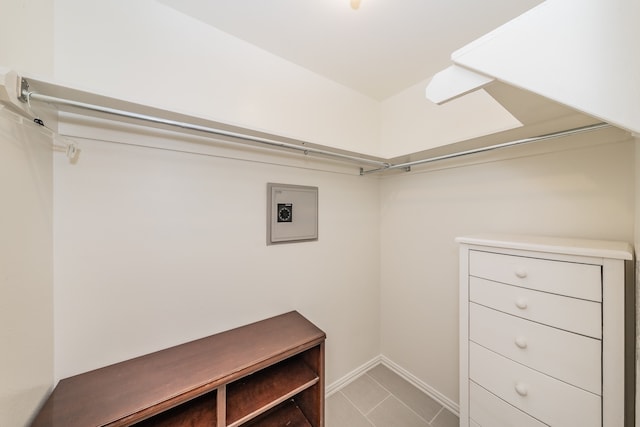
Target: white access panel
{"type": "Point", "coordinates": [292, 213]}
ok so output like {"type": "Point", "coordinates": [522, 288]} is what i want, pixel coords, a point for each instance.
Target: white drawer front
{"type": "Point", "coordinates": [549, 400]}
{"type": "Point", "coordinates": [571, 314]}
{"type": "Point", "coordinates": [564, 278]}
{"type": "Point", "coordinates": [569, 357]}
{"type": "Point", "coordinates": [488, 410]}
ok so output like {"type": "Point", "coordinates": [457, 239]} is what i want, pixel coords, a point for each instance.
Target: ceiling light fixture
{"type": "Point", "coordinates": [355, 4]}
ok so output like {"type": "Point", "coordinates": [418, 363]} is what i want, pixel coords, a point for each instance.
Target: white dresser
{"type": "Point", "coordinates": [547, 332]}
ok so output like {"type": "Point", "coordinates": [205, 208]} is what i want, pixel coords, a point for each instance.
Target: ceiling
{"type": "Point", "coordinates": [379, 50]}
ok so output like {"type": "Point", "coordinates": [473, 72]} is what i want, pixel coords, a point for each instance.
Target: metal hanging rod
{"type": "Point", "coordinates": [28, 96]}
{"type": "Point", "coordinates": [408, 165]}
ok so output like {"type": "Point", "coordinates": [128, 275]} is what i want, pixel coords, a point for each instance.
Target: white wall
{"type": "Point", "coordinates": [410, 123]}
{"type": "Point", "coordinates": [26, 278]}
{"type": "Point", "coordinates": [145, 251]}
{"type": "Point", "coordinates": [163, 58]}
{"type": "Point", "coordinates": [147, 52]}
{"type": "Point", "coordinates": [154, 248]}
{"type": "Point", "coordinates": [582, 190]}
{"type": "Point", "coordinates": [26, 36]}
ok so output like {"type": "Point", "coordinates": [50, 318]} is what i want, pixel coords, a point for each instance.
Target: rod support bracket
{"type": "Point", "coordinates": [23, 90]}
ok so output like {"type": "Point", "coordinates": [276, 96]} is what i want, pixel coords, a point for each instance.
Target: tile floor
{"type": "Point", "coordinates": [381, 398]}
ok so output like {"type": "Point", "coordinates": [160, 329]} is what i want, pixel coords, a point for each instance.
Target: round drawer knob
{"type": "Point", "coordinates": [521, 272]}
{"type": "Point", "coordinates": [522, 389]}
{"type": "Point", "coordinates": [521, 342]}
{"type": "Point", "coordinates": [521, 303]}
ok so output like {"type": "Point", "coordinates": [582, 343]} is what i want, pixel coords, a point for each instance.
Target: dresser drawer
{"type": "Point", "coordinates": [549, 400]}
{"type": "Point", "coordinates": [569, 357]}
{"type": "Point", "coordinates": [487, 410]}
{"type": "Point", "coordinates": [558, 277]}
{"type": "Point", "coordinates": [571, 314]}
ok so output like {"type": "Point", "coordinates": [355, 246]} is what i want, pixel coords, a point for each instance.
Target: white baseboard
{"type": "Point", "coordinates": [403, 373]}
{"type": "Point", "coordinates": [351, 376]}
{"type": "Point", "coordinates": [422, 386]}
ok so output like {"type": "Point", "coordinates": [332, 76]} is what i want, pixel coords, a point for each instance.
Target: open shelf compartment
{"type": "Point", "coordinates": [255, 394]}
{"type": "Point", "coordinates": [198, 411]}
{"type": "Point", "coordinates": [287, 414]}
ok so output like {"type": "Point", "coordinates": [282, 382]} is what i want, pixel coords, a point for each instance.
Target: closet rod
{"type": "Point", "coordinates": [28, 96]}
{"type": "Point", "coordinates": [408, 165]}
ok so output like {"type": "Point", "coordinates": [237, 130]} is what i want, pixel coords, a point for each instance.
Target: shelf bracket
{"type": "Point", "coordinates": [23, 92]}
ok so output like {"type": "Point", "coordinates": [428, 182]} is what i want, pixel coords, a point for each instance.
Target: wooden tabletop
{"type": "Point", "coordinates": [132, 390]}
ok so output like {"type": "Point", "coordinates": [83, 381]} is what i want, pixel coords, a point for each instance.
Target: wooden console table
{"type": "Point", "coordinates": [268, 373]}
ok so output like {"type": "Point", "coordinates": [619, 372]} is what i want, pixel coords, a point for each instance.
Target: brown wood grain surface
{"type": "Point", "coordinates": [280, 382]}
{"type": "Point", "coordinates": [130, 391]}
{"type": "Point", "coordinates": [288, 415]}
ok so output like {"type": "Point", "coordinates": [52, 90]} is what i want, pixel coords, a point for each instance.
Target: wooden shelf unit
{"type": "Point", "coordinates": [268, 373]}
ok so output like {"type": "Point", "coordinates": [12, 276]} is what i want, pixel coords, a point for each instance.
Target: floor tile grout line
{"type": "Point", "coordinates": [379, 403]}
{"type": "Point", "coordinates": [382, 386]}
{"type": "Point", "coordinates": [356, 407]}
{"type": "Point", "coordinates": [436, 415]}
{"type": "Point", "coordinates": [366, 416]}
{"type": "Point", "coordinates": [403, 403]}
{"type": "Point", "coordinates": [411, 410]}
{"type": "Point", "coordinates": [352, 403]}
{"type": "Point", "coordinates": [379, 383]}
